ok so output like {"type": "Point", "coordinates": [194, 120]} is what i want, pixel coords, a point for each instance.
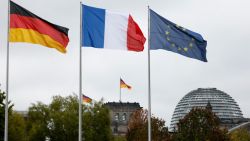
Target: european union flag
{"type": "Point", "coordinates": [169, 36]}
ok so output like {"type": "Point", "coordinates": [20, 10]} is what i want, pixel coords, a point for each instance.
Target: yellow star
{"type": "Point", "coordinates": [173, 45]}
{"type": "Point", "coordinates": [190, 45]}
{"type": "Point", "coordinates": [168, 38]}
{"type": "Point", "coordinates": [185, 49]}
{"type": "Point", "coordinates": [167, 32]}
{"type": "Point", "coordinates": [179, 49]}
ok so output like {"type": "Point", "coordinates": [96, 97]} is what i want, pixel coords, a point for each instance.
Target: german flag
{"type": "Point", "coordinates": [86, 99]}
{"type": "Point", "coordinates": [124, 85]}
{"type": "Point", "coordinates": [28, 27]}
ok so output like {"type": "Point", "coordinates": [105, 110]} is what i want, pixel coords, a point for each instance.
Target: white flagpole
{"type": "Point", "coordinates": [7, 78]}
{"type": "Point", "coordinates": [149, 81]}
{"type": "Point", "coordinates": [80, 77]}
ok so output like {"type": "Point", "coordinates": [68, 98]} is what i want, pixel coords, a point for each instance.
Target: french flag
{"type": "Point", "coordinates": [106, 29]}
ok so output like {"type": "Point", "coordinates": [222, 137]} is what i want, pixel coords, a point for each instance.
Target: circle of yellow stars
{"type": "Point", "coordinates": [184, 49]}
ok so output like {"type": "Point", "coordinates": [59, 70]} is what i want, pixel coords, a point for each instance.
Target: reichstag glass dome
{"type": "Point", "coordinates": [223, 105]}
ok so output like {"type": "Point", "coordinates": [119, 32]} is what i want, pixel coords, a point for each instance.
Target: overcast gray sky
{"type": "Point", "coordinates": [37, 73]}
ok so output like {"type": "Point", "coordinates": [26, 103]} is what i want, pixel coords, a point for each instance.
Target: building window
{"type": "Point", "coordinates": [124, 117]}
{"type": "Point", "coordinates": [116, 128]}
{"type": "Point", "coordinates": [117, 116]}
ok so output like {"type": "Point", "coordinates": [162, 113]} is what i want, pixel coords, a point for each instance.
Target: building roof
{"type": "Point", "coordinates": [223, 105]}
{"type": "Point", "coordinates": [122, 104]}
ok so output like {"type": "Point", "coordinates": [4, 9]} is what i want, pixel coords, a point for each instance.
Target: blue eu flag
{"type": "Point", "coordinates": [169, 36]}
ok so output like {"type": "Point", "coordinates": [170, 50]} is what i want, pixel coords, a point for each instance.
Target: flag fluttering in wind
{"type": "Point", "coordinates": [28, 27]}
{"type": "Point", "coordinates": [86, 99]}
{"type": "Point", "coordinates": [169, 36]}
{"type": "Point", "coordinates": [106, 29]}
{"type": "Point", "coordinates": [124, 85]}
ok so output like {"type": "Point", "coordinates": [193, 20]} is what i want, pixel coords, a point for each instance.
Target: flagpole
{"type": "Point", "coordinates": [149, 81]}
{"type": "Point", "coordinates": [80, 77]}
{"type": "Point", "coordinates": [7, 79]}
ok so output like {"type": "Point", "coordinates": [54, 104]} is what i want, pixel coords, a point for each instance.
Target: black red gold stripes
{"type": "Point", "coordinates": [124, 85]}
{"type": "Point", "coordinates": [86, 99]}
{"type": "Point", "coordinates": [27, 27]}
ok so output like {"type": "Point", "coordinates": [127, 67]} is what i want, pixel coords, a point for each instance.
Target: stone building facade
{"type": "Point", "coordinates": [120, 114]}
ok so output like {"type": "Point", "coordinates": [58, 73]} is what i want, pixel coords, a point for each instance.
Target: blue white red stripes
{"type": "Point", "coordinates": [107, 29]}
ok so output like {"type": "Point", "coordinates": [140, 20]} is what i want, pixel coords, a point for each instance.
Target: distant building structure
{"type": "Point", "coordinates": [222, 104]}
{"type": "Point", "coordinates": [120, 114]}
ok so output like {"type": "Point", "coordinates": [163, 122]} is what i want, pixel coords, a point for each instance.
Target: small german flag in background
{"type": "Point", "coordinates": [27, 27]}
{"type": "Point", "coordinates": [86, 99]}
{"type": "Point", "coordinates": [124, 85]}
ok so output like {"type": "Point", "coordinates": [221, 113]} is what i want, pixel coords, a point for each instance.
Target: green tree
{"type": "Point", "coordinates": [200, 124]}
{"type": "Point", "coordinates": [2, 113]}
{"type": "Point", "coordinates": [63, 122]}
{"type": "Point", "coordinates": [37, 123]}
{"type": "Point", "coordinates": [2, 97]}
{"type": "Point", "coordinates": [96, 123]}
{"type": "Point", "coordinates": [119, 138]}
{"type": "Point", "coordinates": [16, 127]}
{"type": "Point", "coordinates": [138, 128]}
{"type": "Point", "coordinates": [240, 135]}
{"type": "Point", "coordinates": [58, 121]}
